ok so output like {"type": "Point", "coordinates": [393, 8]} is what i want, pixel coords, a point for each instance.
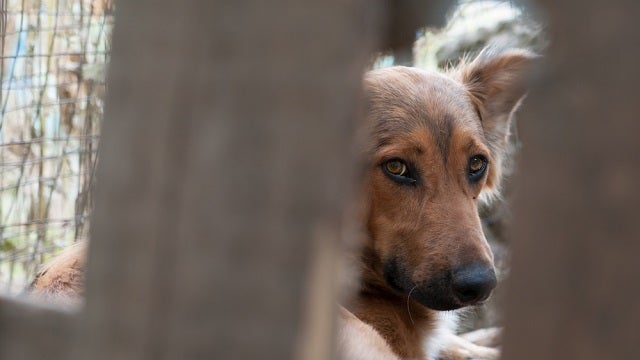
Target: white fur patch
{"type": "Point", "coordinates": [445, 326]}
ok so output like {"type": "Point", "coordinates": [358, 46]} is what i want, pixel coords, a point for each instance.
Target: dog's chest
{"type": "Point", "coordinates": [444, 327]}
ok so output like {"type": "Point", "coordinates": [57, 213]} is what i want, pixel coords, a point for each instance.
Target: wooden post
{"type": "Point", "coordinates": [30, 331]}
{"type": "Point", "coordinates": [574, 288]}
{"type": "Point", "coordinates": [227, 148]}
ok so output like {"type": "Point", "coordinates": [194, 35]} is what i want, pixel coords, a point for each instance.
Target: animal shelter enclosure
{"type": "Point", "coordinates": [217, 121]}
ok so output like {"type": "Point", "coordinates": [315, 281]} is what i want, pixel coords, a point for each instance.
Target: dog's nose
{"type": "Point", "coordinates": [473, 283]}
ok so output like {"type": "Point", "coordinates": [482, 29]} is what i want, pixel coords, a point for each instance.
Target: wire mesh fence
{"type": "Point", "coordinates": [53, 55]}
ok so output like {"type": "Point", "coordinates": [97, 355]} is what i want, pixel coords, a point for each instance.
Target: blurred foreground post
{"type": "Point", "coordinates": [227, 152]}
{"type": "Point", "coordinates": [574, 284]}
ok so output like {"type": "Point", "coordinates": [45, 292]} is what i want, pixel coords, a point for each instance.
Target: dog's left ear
{"type": "Point", "coordinates": [496, 81]}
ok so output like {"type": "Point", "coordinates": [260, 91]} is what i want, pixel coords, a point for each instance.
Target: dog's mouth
{"type": "Point", "coordinates": [440, 292]}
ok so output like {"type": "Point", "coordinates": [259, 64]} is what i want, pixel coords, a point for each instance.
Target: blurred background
{"type": "Point", "coordinates": [54, 54]}
{"type": "Point", "coordinates": [54, 57]}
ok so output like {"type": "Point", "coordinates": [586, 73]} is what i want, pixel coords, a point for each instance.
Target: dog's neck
{"type": "Point", "coordinates": [401, 321]}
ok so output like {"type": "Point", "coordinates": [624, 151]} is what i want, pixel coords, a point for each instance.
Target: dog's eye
{"type": "Point", "coordinates": [477, 167]}
{"type": "Point", "coordinates": [395, 167]}
{"type": "Point", "coordinates": [398, 171]}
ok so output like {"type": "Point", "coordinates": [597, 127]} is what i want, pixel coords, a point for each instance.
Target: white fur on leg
{"type": "Point", "coordinates": [443, 343]}
{"type": "Point", "coordinates": [491, 337]}
{"type": "Point", "coordinates": [461, 349]}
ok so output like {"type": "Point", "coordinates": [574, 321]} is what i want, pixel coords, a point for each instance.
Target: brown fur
{"type": "Point", "coordinates": [62, 279]}
{"type": "Point", "coordinates": [436, 122]}
{"type": "Point", "coordinates": [359, 341]}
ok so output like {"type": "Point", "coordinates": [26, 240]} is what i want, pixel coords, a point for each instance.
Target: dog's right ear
{"type": "Point", "coordinates": [496, 81]}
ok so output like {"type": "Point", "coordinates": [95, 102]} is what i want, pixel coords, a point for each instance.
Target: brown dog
{"type": "Point", "coordinates": [435, 148]}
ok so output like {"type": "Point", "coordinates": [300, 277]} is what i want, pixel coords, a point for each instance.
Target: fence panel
{"type": "Point", "coordinates": [228, 135]}
{"type": "Point", "coordinates": [574, 282]}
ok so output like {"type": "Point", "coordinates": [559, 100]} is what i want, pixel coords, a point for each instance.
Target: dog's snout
{"type": "Point", "coordinates": [473, 283]}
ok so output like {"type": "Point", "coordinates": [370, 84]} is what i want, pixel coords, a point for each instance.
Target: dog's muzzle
{"type": "Point", "coordinates": [466, 285]}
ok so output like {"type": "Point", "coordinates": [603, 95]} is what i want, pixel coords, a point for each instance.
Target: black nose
{"type": "Point", "coordinates": [473, 283]}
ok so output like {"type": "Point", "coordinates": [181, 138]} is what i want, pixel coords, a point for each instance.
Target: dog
{"type": "Point", "coordinates": [434, 150]}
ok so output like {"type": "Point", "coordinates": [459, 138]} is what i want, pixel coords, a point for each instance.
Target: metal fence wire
{"type": "Point", "coordinates": [53, 58]}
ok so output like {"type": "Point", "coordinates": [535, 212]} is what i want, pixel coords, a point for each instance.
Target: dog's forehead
{"type": "Point", "coordinates": [403, 101]}
{"type": "Point", "coordinates": [418, 95]}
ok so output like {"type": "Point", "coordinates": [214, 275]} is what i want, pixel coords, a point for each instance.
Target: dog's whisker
{"type": "Point", "coordinates": [409, 307]}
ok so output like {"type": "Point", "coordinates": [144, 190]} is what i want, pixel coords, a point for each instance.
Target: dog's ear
{"type": "Point", "coordinates": [496, 81]}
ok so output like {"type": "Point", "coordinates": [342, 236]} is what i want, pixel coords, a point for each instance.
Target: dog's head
{"type": "Point", "coordinates": [437, 143]}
